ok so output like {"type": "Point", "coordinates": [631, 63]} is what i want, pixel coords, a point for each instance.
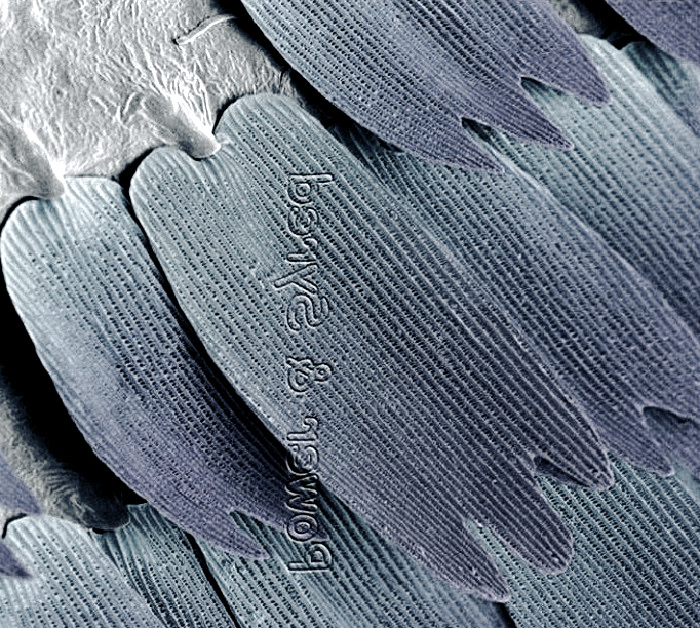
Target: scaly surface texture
{"type": "Point", "coordinates": [637, 559]}
{"type": "Point", "coordinates": [370, 582]}
{"type": "Point", "coordinates": [73, 583]}
{"type": "Point", "coordinates": [40, 441]}
{"type": "Point", "coordinates": [634, 176]}
{"type": "Point", "coordinates": [676, 80]}
{"type": "Point", "coordinates": [45, 464]}
{"type": "Point", "coordinates": [410, 71]}
{"type": "Point", "coordinates": [157, 561]}
{"type": "Point", "coordinates": [9, 565]}
{"type": "Point", "coordinates": [318, 299]}
{"type": "Point", "coordinates": [674, 25]}
{"type": "Point", "coordinates": [90, 86]}
{"type": "Point", "coordinates": [611, 339]}
{"type": "Point", "coordinates": [122, 358]}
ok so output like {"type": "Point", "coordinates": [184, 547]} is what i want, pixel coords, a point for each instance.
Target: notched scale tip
{"type": "Point", "coordinates": [642, 451]}
{"type": "Point", "coordinates": [602, 478]}
{"type": "Point", "coordinates": [678, 436]}
{"type": "Point", "coordinates": [434, 69]}
{"type": "Point", "coordinates": [571, 70]}
{"type": "Point", "coordinates": [228, 536]}
{"type": "Point", "coordinates": [514, 112]}
{"type": "Point", "coordinates": [460, 148]}
{"type": "Point", "coordinates": [598, 476]}
{"type": "Point", "coordinates": [461, 560]}
{"type": "Point", "coordinates": [465, 564]}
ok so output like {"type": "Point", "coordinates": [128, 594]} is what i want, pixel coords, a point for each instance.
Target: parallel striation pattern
{"type": "Point", "coordinates": [40, 442]}
{"type": "Point", "coordinates": [678, 435]}
{"type": "Point", "coordinates": [123, 360]}
{"type": "Point", "coordinates": [674, 25]}
{"type": "Point", "coordinates": [634, 176]}
{"type": "Point", "coordinates": [317, 298]}
{"type": "Point", "coordinates": [73, 585]}
{"type": "Point", "coordinates": [410, 71]}
{"type": "Point", "coordinates": [371, 583]}
{"type": "Point", "coordinates": [611, 339]}
{"type": "Point", "coordinates": [42, 445]}
{"type": "Point", "coordinates": [637, 560]}
{"type": "Point", "coordinates": [676, 80]}
{"type": "Point", "coordinates": [157, 560]}
{"type": "Point", "coordinates": [9, 565]}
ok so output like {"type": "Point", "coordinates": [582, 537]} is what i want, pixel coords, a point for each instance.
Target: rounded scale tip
{"type": "Point", "coordinates": [250, 549]}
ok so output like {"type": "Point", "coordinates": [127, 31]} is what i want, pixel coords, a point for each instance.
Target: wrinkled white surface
{"type": "Point", "coordinates": [88, 86]}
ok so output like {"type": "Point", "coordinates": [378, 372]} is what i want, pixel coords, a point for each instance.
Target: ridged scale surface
{"type": "Point", "coordinates": [156, 559]}
{"type": "Point", "coordinates": [73, 585]}
{"type": "Point", "coordinates": [609, 336]}
{"type": "Point", "coordinates": [410, 71]}
{"type": "Point", "coordinates": [122, 358]}
{"type": "Point", "coordinates": [637, 559]}
{"type": "Point", "coordinates": [634, 176]}
{"type": "Point", "coordinates": [676, 80]}
{"type": "Point", "coordinates": [47, 453]}
{"type": "Point", "coordinates": [371, 583]}
{"type": "Point", "coordinates": [674, 26]}
{"type": "Point", "coordinates": [423, 391]}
